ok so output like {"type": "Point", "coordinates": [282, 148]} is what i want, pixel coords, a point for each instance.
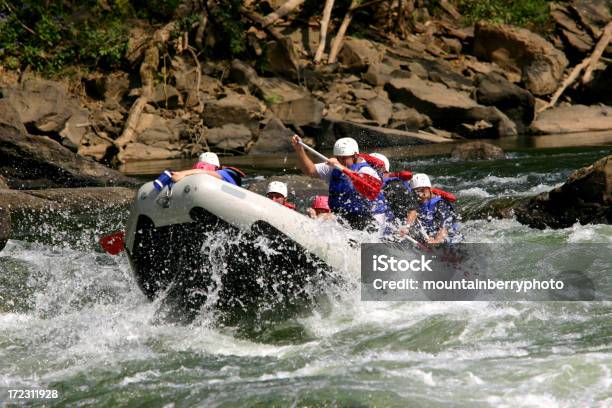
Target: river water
{"type": "Point", "coordinates": [73, 319]}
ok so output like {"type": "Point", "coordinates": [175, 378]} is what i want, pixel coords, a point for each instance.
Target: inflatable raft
{"type": "Point", "coordinates": [207, 242]}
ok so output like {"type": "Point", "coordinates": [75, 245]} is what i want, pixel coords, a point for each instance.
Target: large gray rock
{"type": "Point", "coordinates": [43, 105]}
{"type": "Point", "coordinates": [517, 103]}
{"type": "Point", "coordinates": [230, 136]}
{"type": "Point", "coordinates": [477, 151]}
{"type": "Point", "coordinates": [274, 138]}
{"type": "Point", "coordinates": [139, 151]}
{"type": "Point", "coordinates": [282, 58]}
{"type": "Point", "coordinates": [578, 41]}
{"type": "Point", "coordinates": [540, 64]}
{"type": "Point", "coordinates": [371, 136]}
{"type": "Point", "coordinates": [152, 128]}
{"type": "Point", "coordinates": [405, 118]}
{"type": "Point", "coordinates": [74, 129]}
{"type": "Point", "coordinates": [65, 199]}
{"type": "Point", "coordinates": [359, 54]}
{"type": "Point", "coordinates": [306, 111]}
{"type": "Point", "coordinates": [380, 110]}
{"type": "Point", "coordinates": [586, 197]}
{"type": "Point", "coordinates": [108, 87]}
{"type": "Point", "coordinates": [234, 108]}
{"type": "Point", "coordinates": [39, 162]}
{"type": "Point", "coordinates": [574, 118]}
{"type": "Point", "coordinates": [449, 109]}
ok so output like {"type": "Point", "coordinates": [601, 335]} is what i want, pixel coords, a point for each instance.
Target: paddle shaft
{"type": "Point", "coordinates": [313, 151]}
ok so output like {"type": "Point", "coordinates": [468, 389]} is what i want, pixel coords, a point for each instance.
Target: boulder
{"type": "Point", "coordinates": [65, 199]}
{"type": "Point", "coordinates": [166, 96]}
{"type": "Point", "coordinates": [405, 118]}
{"type": "Point", "coordinates": [477, 151]}
{"type": "Point", "coordinates": [277, 90]}
{"type": "Point", "coordinates": [152, 128]}
{"type": "Point", "coordinates": [39, 162]}
{"type": "Point", "coordinates": [371, 136]}
{"type": "Point", "coordinates": [379, 109]}
{"type": "Point", "coordinates": [5, 225]}
{"type": "Point", "coordinates": [517, 103]}
{"type": "Point", "coordinates": [229, 137]}
{"type": "Point", "coordinates": [358, 54]}
{"type": "Point", "coordinates": [282, 58]}
{"type": "Point", "coordinates": [94, 146]}
{"type": "Point", "coordinates": [378, 74]}
{"type": "Point", "coordinates": [74, 129]}
{"type": "Point", "coordinates": [595, 91]}
{"type": "Point", "coordinates": [274, 138]}
{"type": "Point", "coordinates": [575, 39]}
{"type": "Point", "coordinates": [447, 108]}
{"type": "Point", "coordinates": [108, 87]}
{"type": "Point", "coordinates": [586, 197]}
{"type": "Point", "coordinates": [234, 108]}
{"type": "Point", "coordinates": [574, 118]}
{"type": "Point", "coordinates": [540, 64]}
{"type": "Point", "coordinates": [41, 105]}
{"type": "Point", "coordinates": [306, 111]}
{"type": "Point", "coordinates": [139, 151]}
{"type": "Point", "coordinates": [186, 81]}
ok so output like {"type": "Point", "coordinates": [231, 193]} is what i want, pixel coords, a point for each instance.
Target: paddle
{"type": "Point", "coordinates": [113, 243]}
{"type": "Point", "coordinates": [365, 184]}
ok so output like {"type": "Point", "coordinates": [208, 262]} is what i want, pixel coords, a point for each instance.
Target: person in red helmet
{"type": "Point", "coordinates": [320, 208]}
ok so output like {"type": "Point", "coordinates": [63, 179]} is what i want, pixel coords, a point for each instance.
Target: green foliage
{"type": "Point", "coordinates": [523, 13]}
{"type": "Point", "coordinates": [48, 35]}
{"type": "Point", "coordinates": [232, 32]}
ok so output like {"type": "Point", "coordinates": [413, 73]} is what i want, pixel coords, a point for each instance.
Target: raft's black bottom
{"type": "Point", "coordinates": [212, 262]}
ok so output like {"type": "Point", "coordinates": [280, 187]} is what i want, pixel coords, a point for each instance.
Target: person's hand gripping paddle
{"type": "Point", "coordinates": [365, 184]}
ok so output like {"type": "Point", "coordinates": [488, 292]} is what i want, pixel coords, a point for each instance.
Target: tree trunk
{"type": "Point", "coordinates": [329, 4]}
{"type": "Point", "coordinates": [282, 11]}
{"type": "Point", "coordinates": [339, 38]}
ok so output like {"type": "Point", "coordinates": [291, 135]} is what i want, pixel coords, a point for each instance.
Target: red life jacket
{"type": "Point", "coordinates": [289, 205]}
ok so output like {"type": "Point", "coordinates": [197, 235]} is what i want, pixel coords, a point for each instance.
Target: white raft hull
{"type": "Point", "coordinates": [190, 242]}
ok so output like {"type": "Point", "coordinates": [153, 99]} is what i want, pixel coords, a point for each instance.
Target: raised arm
{"type": "Point", "coordinates": [304, 162]}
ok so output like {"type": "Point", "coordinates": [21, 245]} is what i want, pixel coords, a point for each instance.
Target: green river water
{"type": "Point", "coordinates": [73, 319]}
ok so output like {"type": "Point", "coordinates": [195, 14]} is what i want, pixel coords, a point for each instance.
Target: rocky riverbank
{"type": "Point", "coordinates": [441, 82]}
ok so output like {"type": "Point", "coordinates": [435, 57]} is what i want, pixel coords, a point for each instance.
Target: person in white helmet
{"type": "Point", "coordinates": [277, 192]}
{"type": "Point", "coordinates": [435, 214]}
{"type": "Point", "coordinates": [344, 199]}
{"type": "Point", "coordinates": [208, 163]}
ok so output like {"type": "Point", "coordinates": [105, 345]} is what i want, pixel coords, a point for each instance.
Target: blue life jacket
{"type": "Point", "coordinates": [390, 215]}
{"type": "Point", "coordinates": [426, 216]}
{"type": "Point", "coordinates": [226, 176]}
{"type": "Point", "coordinates": [344, 198]}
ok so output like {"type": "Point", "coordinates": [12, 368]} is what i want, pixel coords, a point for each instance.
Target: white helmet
{"type": "Point", "coordinates": [420, 180]}
{"type": "Point", "coordinates": [277, 187]}
{"type": "Point", "coordinates": [346, 146]}
{"type": "Point", "coordinates": [382, 158]}
{"type": "Point", "coordinates": [210, 158]}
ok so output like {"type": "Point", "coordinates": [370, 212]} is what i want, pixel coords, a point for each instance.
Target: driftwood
{"type": "Point", "coordinates": [148, 68]}
{"type": "Point", "coordinates": [329, 4]}
{"type": "Point", "coordinates": [281, 12]}
{"type": "Point", "coordinates": [336, 44]}
{"type": "Point", "coordinates": [259, 20]}
{"type": "Point", "coordinates": [597, 52]}
{"type": "Point", "coordinates": [588, 64]}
